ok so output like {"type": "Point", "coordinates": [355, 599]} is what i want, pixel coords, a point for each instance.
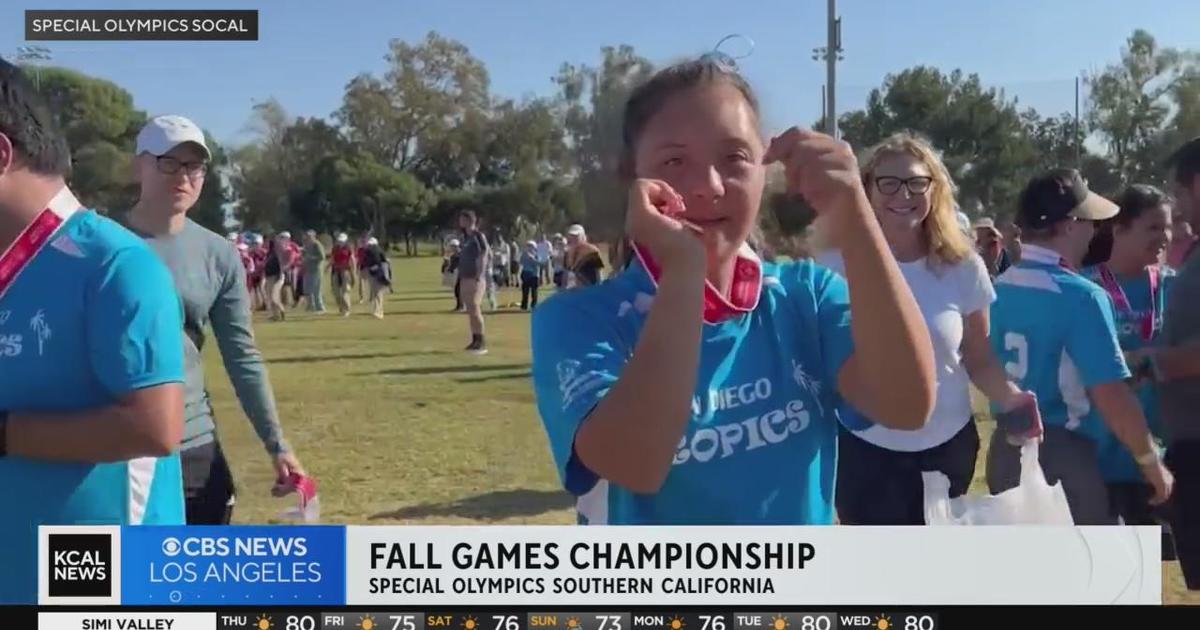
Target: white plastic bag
{"type": "Point", "coordinates": [1032, 502]}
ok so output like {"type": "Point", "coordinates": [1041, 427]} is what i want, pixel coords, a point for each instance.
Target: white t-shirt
{"type": "Point", "coordinates": [945, 297]}
{"type": "Point", "coordinates": [543, 251]}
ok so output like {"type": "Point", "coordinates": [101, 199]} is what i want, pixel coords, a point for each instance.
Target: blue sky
{"type": "Point", "coordinates": [309, 49]}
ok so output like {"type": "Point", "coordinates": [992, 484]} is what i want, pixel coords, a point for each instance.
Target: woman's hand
{"type": "Point", "coordinates": [651, 220]}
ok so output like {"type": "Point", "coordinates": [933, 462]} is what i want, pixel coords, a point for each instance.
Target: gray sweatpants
{"type": "Point", "coordinates": [1065, 456]}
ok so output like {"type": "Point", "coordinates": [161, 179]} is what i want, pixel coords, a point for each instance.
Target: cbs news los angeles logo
{"type": "Point", "coordinates": [79, 566]}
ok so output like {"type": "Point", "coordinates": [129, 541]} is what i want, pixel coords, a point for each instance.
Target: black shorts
{"type": "Point", "coordinates": [208, 486]}
{"type": "Point", "coordinates": [879, 486]}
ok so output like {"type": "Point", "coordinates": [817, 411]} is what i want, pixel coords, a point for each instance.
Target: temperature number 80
{"type": "Point", "coordinates": [924, 622]}
{"type": "Point", "coordinates": [300, 623]}
{"type": "Point", "coordinates": [816, 623]}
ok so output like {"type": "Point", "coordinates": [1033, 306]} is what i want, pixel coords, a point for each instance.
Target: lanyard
{"type": "Point", "coordinates": [34, 238]}
{"type": "Point", "coordinates": [1148, 321]}
{"type": "Point", "coordinates": [744, 294]}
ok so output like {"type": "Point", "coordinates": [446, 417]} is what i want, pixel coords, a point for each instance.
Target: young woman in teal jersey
{"type": "Point", "coordinates": [690, 388]}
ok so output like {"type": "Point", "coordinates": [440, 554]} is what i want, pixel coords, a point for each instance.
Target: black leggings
{"type": "Point", "coordinates": [208, 485]}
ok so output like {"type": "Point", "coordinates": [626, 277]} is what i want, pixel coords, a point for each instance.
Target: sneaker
{"type": "Point", "coordinates": [479, 350]}
{"type": "Point", "coordinates": [473, 346]}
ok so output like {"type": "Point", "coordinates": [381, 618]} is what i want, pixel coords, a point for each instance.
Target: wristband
{"type": "Point", "coordinates": [1149, 459]}
{"type": "Point", "coordinates": [3, 433]}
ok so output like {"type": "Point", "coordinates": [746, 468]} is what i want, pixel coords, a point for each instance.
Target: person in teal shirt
{"type": "Point", "coordinates": [1124, 259]}
{"type": "Point", "coordinates": [1056, 333]}
{"type": "Point", "coordinates": [701, 385]}
{"type": "Point", "coordinates": [91, 353]}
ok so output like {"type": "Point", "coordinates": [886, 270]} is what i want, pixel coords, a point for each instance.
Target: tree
{"type": "Point", "coordinates": [100, 124]}
{"type": "Point", "coordinates": [1131, 105]}
{"type": "Point", "coordinates": [592, 102]}
{"type": "Point", "coordinates": [428, 90]}
{"type": "Point", "coordinates": [981, 134]}
{"type": "Point", "coordinates": [522, 140]}
{"type": "Point", "coordinates": [210, 208]}
{"type": "Point", "coordinates": [260, 174]}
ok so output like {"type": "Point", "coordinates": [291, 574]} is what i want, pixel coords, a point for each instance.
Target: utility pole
{"type": "Point", "coordinates": [831, 52]}
{"type": "Point", "coordinates": [1078, 149]}
{"type": "Point", "coordinates": [824, 107]}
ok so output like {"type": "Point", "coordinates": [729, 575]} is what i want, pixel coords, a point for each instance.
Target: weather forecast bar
{"type": "Point", "coordinates": [249, 619]}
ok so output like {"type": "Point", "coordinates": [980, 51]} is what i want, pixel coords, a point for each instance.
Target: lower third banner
{"type": "Point", "coordinates": [571, 566]}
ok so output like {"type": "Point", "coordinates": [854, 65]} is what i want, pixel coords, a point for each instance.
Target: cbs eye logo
{"type": "Point", "coordinates": [171, 547]}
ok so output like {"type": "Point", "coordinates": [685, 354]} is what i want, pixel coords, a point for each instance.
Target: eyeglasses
{"type": "Point", "coordinates": [168, 165]}
{"type": "Point", "coordinates": [915, 185]}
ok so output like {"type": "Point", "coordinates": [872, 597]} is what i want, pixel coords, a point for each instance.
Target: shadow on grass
{"type": "Point", "coordinates": [421, 298]}
{"type": "Point", "coordinates": [447, 312]}
{"type": "Point", "coordinates": [333, 357]}
{"type": "Point", "coordinates": [496, 377]}
{"type": "Point", "coordinates": [449, 369]}
{"type": "Point", "coordinates": [488, 506]}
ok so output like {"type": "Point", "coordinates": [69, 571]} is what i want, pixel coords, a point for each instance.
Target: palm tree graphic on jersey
{"type": "Point", "coordinates": [809, 384]}
{"type": "Point", "coordinates": [39, 327]}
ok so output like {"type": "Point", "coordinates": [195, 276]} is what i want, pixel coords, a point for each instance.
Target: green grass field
{"type": "Point", "coordinates": [400, 426]}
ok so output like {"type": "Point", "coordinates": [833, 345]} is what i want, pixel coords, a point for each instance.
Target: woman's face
{"type": "Point", "coordinates": [1146, 237]}
{"type": "Point", "coordinates": [705, 143]}
{"type": "Point", "coordinates": [900, 188]}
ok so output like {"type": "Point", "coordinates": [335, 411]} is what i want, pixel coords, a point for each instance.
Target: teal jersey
{"type": "Point", "coordinates": [1144, 316]}
{"type": "Point", "coordinates": [94, 317]}
{"type": "Point", "coordinates": [1055, 332]}
{"type": "Point", "coordinates": [760, 446]}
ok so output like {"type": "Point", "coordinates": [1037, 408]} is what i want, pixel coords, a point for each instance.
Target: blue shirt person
{"type": "Point", "coordinates": [699, 385]}
{"type": "Point", "coordinates": [760, 447]}
{"type": "Point", "coordinates": [1145, 305]}
{"type": "Point", "coordinates": [1056, 333]}
{"type": "Point", "coordinates": [93, 319]}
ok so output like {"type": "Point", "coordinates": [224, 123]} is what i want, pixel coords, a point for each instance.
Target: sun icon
{"type": "Point", "coordinates": [676, 623]}
{"type": "Point", "coordinates": [367, 622]}
{"type": "Point", "coordinates": [779, 622]}
{"type": "Point", "coordinates": [573, 623]}
{"type": "Point", "coordinates": [883, 623]}
{"type": "Point", "coordinates": [470, 623]}
{"type": "Point", "coordinates": [263, 622]}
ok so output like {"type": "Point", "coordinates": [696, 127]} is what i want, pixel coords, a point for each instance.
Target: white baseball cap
{"type": "Point", "coordinates": [164, 133]}
{"type": "Point", "coordinates": [342, 238]}
{"type": "Point", "coordinates": [285, 234]}
{"type": "Point", "coordinates": [372, 241]}
{"type": "Point", "coordinates": [576, 230]}
{"type": "Point", "coordinates": [232, 236]}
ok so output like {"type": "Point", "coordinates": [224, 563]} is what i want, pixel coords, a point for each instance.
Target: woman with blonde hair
{"type": "Point", "coordinates": [879, 468]}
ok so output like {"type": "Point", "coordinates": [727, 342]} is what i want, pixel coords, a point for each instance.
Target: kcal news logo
{"type": "Point", "coordinates": [79, 565]}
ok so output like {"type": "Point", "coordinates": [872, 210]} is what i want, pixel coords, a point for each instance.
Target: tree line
{"type": "Point", "coordinates": [409, 147]}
